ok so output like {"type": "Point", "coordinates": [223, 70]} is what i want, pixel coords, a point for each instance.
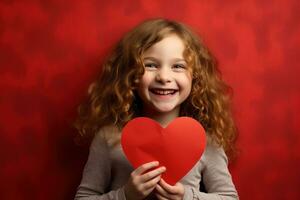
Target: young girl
{"type": "Point", "coordinates": [160, 70]}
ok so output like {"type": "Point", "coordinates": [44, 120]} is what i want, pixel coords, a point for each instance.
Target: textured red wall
{"type": "Point", "coordinates": [51, 50]}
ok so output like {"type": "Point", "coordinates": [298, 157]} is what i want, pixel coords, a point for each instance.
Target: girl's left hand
{"type": "Point", "coordinates": [164, 191]}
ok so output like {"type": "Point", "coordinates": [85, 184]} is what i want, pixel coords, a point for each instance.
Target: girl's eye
{"type": "Point", "coordinates": [179, 67]}
{"type": "Point", "coordinates": [150, 65]}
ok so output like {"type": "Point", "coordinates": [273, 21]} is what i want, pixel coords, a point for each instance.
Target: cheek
{"type": "Point", "coordinates": [186, 82]}
{"type": "Point", "coordinates": [188, 87]}
{"type": "Point", "coordinates": [189, 81]}
{"type": "Point", "coordinates": [145, 80]}
{"type": "Point", "coordinates": [144, 86]}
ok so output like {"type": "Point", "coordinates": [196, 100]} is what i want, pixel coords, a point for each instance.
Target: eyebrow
{"type": "Point", "coordinates": [175, 59]}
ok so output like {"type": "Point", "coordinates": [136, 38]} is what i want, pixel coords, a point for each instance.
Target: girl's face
{"type": "Point", "coordinates": [167, 80]}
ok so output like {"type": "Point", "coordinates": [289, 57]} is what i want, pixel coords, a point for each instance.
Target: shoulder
{"type": "Point", "coordinates": [213, 153]}
{"type": "Point", "coordinates": [107, 135]}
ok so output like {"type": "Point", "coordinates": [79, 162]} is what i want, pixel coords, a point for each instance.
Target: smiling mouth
{"type": "Point", "coordinates": [163, 91]}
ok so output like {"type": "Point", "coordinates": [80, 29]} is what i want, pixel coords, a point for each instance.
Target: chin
{"type": "Point", "coordinates": [165, 109]}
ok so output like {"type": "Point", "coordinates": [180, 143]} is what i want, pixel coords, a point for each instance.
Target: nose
{"type": "Point", "coordinates": [163, 75]}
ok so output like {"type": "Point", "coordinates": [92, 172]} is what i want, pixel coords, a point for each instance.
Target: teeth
{"type": "Point", "coordinates": [163, 92]}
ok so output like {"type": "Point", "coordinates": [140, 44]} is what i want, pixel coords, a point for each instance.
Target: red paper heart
{"type": "Point", "coordinates": [178, 147]}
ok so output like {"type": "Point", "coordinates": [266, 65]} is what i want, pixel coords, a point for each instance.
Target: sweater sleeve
{"type": "Point", "coordinates": [215, 176]}
{"type": "Point", "coordinates": [96, 175]}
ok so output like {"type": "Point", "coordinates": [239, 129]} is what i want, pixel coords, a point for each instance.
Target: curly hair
{"type": "Point", "coordinates": [113, 100]}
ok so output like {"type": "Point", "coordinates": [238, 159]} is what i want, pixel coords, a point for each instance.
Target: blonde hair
{"type": "Point", "coordinates": [113, 100]}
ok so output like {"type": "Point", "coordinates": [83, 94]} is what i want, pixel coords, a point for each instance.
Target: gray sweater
{"type": "Point", "coordinates": [107, 171]}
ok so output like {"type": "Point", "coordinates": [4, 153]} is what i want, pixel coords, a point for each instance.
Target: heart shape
{"type": "Point", "coordinates": [178, 147]}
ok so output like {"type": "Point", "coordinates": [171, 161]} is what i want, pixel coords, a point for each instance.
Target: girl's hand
{"type": "Point", "coordinates": [141, 185]}
{"type": "Point", "coordinates": [164, 191]}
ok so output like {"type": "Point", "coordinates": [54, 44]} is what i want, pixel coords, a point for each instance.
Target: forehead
{"type": "Point", "coordinates": [170, 45]}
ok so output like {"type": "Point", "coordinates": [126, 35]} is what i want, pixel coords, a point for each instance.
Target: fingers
{"type": "Point", "coordinates": [160, 197]}
{"type": "Point", "coordinates": [163, 193]}
{"type": "Point", "coordinates": [166, 191]}
{"type": "Point", "coordinates": [169, 188]}
{"type": "Point", "coordinates": [143, 168]}
{"type": "Point", "coordinates": [150, 185]}
{"type": "Point", "coordinates": [151, 174]}
{"type": "Point", "coordinates": [142, 181]}
{"type": "Point", "coordinates": [147, 181]}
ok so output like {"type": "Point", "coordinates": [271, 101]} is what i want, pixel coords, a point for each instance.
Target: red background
{"type": "Point", "coordinates": [51, 50]}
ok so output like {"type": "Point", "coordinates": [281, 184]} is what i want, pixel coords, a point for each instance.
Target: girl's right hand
{"type": "Point", "coordinates": [140, 185]}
